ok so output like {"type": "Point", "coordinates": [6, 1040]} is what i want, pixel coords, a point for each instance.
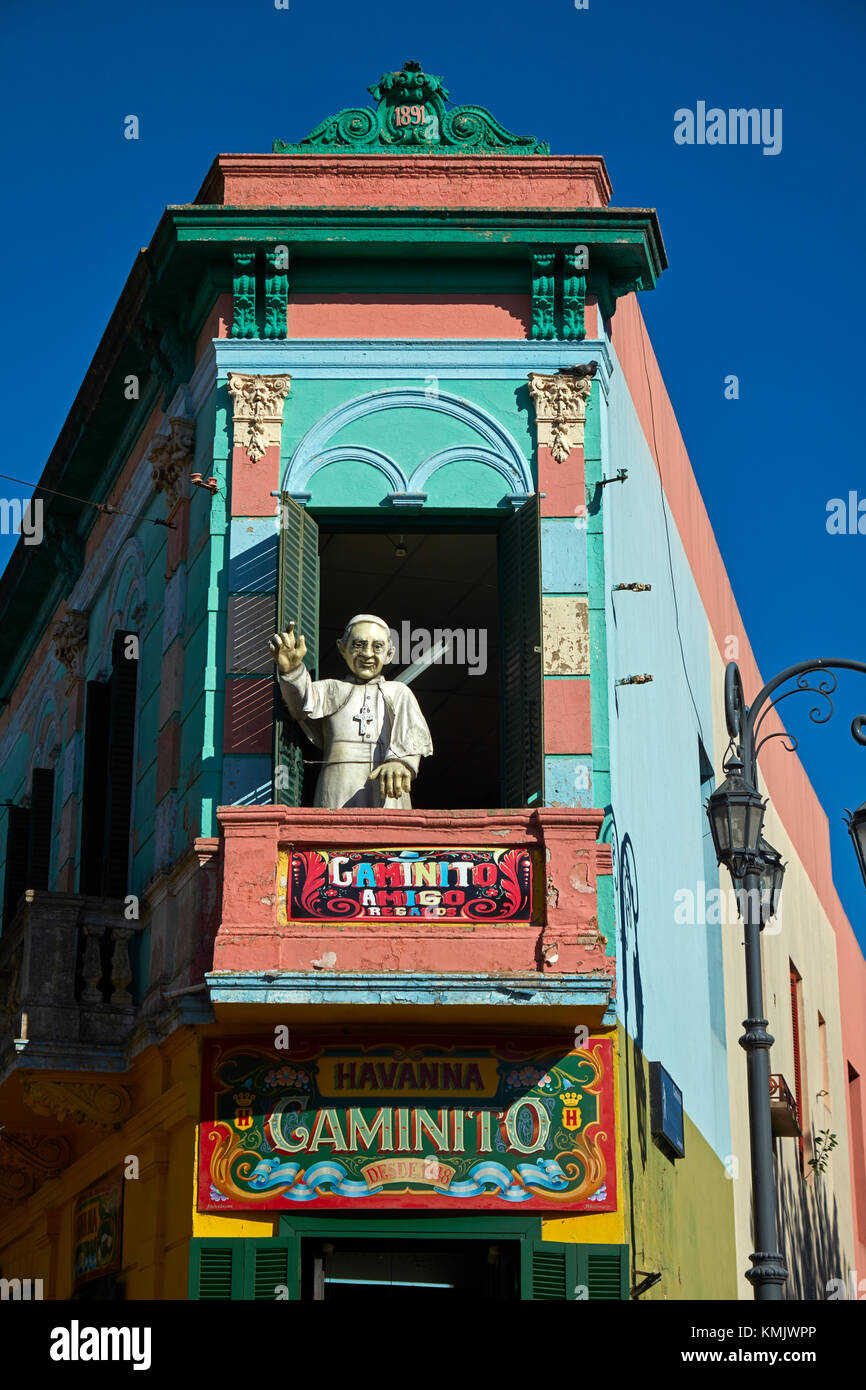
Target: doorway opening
{"type": "Point", "coordinates": [438, 592]}
{"type": "Point", "coordinates": [347, 1269]}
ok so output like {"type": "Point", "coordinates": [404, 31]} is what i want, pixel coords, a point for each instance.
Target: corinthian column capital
{"type": "Point", "coordinates": [560, 407]}
{"type": "Point", "coordinates": [258, 410]}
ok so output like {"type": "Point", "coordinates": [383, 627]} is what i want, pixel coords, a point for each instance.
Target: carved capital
{"type": "Point", "coordinates": [560, 408]}
{"type": "Point", "coordinates": [100, 1103]}
{"type": "Point", "coordinates": [70, 641]}
{"type": "Point", "coordinates": [258, 410]}
{"type": "Point", "coordinates": [171, 458]}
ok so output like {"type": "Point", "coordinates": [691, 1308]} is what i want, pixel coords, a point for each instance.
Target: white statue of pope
{"type": "Point", "coordinates": [371, 731]}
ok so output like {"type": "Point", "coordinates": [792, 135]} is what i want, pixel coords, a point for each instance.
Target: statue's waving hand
{"type": "Point", "coordinates": [288, 650]}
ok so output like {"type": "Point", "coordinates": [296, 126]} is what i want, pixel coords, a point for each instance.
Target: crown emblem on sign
{"type": "Point", "coordinates": [571, 1097]}
{"type": "Point", "coordinates": [244, 1097]}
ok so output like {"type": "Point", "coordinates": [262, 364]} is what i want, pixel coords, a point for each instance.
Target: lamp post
{"type": "Point", "coordinates": [736, 814]}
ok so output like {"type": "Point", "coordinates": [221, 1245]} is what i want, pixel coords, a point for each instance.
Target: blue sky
{"type": "Point", "coordinates": [766, 276]}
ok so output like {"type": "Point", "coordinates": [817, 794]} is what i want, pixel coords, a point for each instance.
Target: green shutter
{"type": "Point", "coordinates": [272, 1268]}
{"type": "Point", "coordinates": [216, 1269]}
{"type": "Point", "coordinates": [41, 827]}
{"type": "Point", "coordinates": [298, 602]}
{"type": "Point", "coordinates": [603, 1269]}
{"type": "Point", "coordinates": [558, 1270]}
{"type": "Point", "coordinates": [521, 669]}
{"type": "Point", "coordinates": [93, 795]}
{"type": "Point", "coordinates": [551, 1272]}
{"type": "Point", "coordinates": [243, 1269]}
{"type": "Point", "coordinates": [121, 766]}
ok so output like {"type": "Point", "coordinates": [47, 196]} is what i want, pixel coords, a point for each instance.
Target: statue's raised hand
{"type": "Point", "coordinates": [287, 650]}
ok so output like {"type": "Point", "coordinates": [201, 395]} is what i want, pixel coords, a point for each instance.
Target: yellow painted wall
{"type": "Point", "coordinates": [679, 1214]}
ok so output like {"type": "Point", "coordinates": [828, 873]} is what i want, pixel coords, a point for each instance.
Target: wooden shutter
{"type": "Point", "coordinates": [121, 769]}
{"type": "Point", "coordinates": [298, 602]}
{"type": "Point", "coordinates": [216, 1269]}
{"type": "Point", "coordinates": [569, 1272]}
{"type": "Point", "coordinates": [41, 828]}
{"type": "Point", "coordinates": [241, 1269]}
{"type": "Point", "coordinates": [94, 786]}
{"type": "Point", "coordinates": [271, 1269]}
{"type": "Point", "coordinates": [552, 1270]}
{"type": "Point", "coordinates": [15, 881]}
{"type": "Point", "coordinates": [604, 1270]}
{"type": "Point", "coordinates": [521, 667]}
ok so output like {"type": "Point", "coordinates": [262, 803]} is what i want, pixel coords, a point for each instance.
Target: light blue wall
{"type": "Point", "coordinates": [671, 990]}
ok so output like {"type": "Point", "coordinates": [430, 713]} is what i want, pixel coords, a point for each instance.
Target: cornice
{"type": "Point", "coordinates": [410, 358]}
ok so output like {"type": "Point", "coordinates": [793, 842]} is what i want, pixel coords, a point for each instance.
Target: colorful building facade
{"type": "Point", "coordinates": [256, 1048]}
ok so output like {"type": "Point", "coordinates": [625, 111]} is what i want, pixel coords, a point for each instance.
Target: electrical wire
{"type": "Point", "coordinates": [106, 508]}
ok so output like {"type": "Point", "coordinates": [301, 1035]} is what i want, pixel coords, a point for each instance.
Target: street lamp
{"type": "Point", "coordinates": [736, 815]}
{"type": "Point", "coordinates": [857, 831]}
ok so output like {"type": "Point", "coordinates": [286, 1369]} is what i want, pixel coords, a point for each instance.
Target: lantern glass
{"type": "Point", "coordinates": [857, 831]}
{"type": "Point", "coordinates": [736, 814]}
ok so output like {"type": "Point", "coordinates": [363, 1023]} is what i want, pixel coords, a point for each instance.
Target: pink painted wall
{"type": "Point", "coordinates": [384, 180]}
{"type": "Point", "coordinates": [251, 936]}
{"type": "Point", "coordinates": [790, 789]}
{"type": "Point", "coordinates": [217, 325]}
{"type": "Point", "coordinates": [409, 316]}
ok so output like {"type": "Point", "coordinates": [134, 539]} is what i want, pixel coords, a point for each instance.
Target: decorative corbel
{"type": "Point", "coordinates": [560, 407]}
{"type": "Point", "coordinates": [99, 1103]}
{"type": "Point", "coordinates": [258, 411]}
{"type": "Point", "coordinates": [171, 458]}
{"type": "Point", "coordinates": [70, 641]}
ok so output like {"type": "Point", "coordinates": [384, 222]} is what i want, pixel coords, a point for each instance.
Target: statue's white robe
{"type": "Point", "coordinates": [326, 710]}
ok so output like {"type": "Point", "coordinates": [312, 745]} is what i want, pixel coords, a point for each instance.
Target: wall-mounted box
{"type": "Point", "coordinates": [666, 1112]}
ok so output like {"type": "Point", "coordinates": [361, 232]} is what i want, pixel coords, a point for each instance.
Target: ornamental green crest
{"type": "Point", "coordinates": [411, 117]}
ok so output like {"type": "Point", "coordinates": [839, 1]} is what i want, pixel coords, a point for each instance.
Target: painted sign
{"type": "Point", "coordinates": [346, 1124]}
{"type": "Point", "coordinates": [96, 1238]}
{"type": "Point", "coordinates": [492, 885]}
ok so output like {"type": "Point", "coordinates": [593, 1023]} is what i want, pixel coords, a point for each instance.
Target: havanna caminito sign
{"type": "Point", "coordinates": [470, 884]}
{"type": "Point", "coordinates": [331, 1123]}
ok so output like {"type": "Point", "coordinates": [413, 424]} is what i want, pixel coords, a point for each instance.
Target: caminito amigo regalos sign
{"type": "Point", "coordinates": [472, 884]}
{"type": "Point", "coordinates": [415, 1124]}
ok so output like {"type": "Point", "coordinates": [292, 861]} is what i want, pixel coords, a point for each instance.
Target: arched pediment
{"type": "Point", "coordinates": [486, 445]}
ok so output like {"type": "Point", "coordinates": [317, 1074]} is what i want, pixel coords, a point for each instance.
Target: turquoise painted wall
{"type": "Point", "coordinates": [671, 990]}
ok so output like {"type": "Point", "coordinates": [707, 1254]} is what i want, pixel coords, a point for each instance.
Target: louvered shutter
{"type": "Point", "coordinates": [15, 879]}
{"type": "Point", "coordinates": [551, 1271]}
{"type": "Point", "coordinates": [605, 1271]}
{"type": "Point", "coordinates": [242, 1269]}
{"type": "Point", "coordinates": [521, 665]}
{"type": "Point", "coordinates": [41, 828]}
{"type": "Point", "coordinates": [93, 789]}
{"type": "Point", "coordinates": [570, 1272]}
{"type": "Point", "coordinates": [272, 1272]}
{"type": "Point", "coordinates": [298, 602]}
{"type": "Point", "coordinates": [121, 768]}
{"type": "Point", "coordinates": [216, 1269]}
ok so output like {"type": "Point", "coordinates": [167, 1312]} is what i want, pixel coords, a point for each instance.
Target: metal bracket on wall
{"type": "Point", "coordinates": [647, 1282]}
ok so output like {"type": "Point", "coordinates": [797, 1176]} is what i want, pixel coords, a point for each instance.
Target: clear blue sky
{"type": "Point", "coordinates": [766, 275]}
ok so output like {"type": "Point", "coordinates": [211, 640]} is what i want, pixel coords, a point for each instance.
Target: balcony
{"type": "Point", "coordinates": [783, 1108]}
{"type": "Point", "coordinates": [65, 972]}
{"type": "Point", "coordinates": [369, 906]}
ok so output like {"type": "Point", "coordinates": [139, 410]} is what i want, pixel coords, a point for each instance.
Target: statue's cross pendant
{"type": "Point", "coordinates": [363, 718]}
